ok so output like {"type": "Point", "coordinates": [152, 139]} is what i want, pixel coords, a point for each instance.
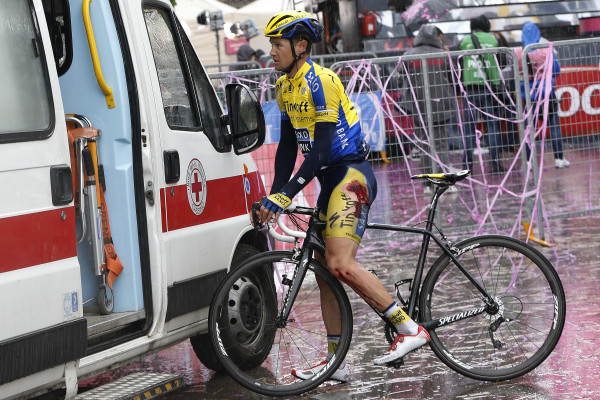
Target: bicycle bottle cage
{"type": "Point", "coordinates": [400, 283]}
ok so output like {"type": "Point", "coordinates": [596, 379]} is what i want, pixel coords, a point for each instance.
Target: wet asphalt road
{"type": "Point", "coordinates": [571, 372]}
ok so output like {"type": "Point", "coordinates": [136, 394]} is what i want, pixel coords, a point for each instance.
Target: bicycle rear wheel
{"type": "Point", "coordinates": [256, 350]}
{"type": "Point", "coordinates": [531, 303]}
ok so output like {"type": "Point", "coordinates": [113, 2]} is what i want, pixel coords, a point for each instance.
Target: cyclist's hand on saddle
{"type": "Point", "coordinates": [272, 206]}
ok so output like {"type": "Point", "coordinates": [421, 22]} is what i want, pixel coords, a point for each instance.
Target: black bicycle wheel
{"type": "Point", "coordinates": [529, 320]}
{"type": "Point", "coordinates": [260, 353]}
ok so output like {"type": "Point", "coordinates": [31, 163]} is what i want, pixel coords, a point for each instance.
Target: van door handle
{"type": "Point", "coordinates": [171, 161]}
{"type": "Point", "coordinates": [61, 184]}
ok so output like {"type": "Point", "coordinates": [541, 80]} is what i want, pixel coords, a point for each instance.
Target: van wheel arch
{"type": "Point", "coordinates": [201, 343]}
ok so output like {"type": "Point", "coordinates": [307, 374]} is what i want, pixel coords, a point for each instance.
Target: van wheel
{"type": "Point", "coordinates": [201, 342]}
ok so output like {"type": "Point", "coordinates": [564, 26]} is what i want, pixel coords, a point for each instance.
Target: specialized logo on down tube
{"type": "Point", "coordinates": [196, 186]}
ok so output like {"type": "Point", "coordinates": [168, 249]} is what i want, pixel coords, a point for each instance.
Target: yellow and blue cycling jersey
{"type": "Point", "coordinates": [316, 94]}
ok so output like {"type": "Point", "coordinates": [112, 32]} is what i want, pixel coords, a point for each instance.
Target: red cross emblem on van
{"type": "Point", "coordinates": [196, 186]}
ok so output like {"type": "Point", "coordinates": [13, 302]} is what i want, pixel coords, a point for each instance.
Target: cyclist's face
{"type": "Point", "coordinates": [281, 51]}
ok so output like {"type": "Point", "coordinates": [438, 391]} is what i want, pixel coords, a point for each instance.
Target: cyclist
{"type": "Point", "coordinates": [318, 117]}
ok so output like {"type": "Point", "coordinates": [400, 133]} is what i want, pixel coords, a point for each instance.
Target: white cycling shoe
{"type": "Point", "coordinates": [403, 344]}
{"type": "Point", "coordinates": [342, 374]}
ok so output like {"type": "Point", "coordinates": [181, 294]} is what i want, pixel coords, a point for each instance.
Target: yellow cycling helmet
{"type": "Point", "coordinates": [290, 24]}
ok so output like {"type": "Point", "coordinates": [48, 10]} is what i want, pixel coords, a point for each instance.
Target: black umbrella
{"type": "Point", "coordinates": [424, 11]}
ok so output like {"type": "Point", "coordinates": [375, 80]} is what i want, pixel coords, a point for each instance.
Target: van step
{"type": "Point", "coordinates": [138, 386]}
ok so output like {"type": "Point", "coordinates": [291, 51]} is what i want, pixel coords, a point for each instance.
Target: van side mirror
{"type": "Point", "coordinates": [246, 119]}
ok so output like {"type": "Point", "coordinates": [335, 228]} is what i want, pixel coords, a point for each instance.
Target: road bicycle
{"type": "Point", "coordinates": [494, 306]}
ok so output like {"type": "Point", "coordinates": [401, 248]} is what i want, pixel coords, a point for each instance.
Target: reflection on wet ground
{"type": "Point", "coordinates": [571, 372]}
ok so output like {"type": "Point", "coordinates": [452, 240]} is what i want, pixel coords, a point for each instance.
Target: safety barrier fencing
{"type": "Point", "coordinates": [326, 60]}
{"type": "Point", "coordinates": [419, 116]}
{"type": "Point", "coordinates": [233, 66]}
{"type": "Point", "coordinates": [576, 98]}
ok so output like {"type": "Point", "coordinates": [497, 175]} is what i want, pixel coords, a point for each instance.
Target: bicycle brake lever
{"type": "Point", "coordinates": [255, 209]}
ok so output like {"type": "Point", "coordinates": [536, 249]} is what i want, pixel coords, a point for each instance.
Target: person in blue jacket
{"type": "Point", "coordinates": [536, 59]}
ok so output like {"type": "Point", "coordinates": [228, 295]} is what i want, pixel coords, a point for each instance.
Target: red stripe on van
{"type": "Point", "coordinates": [224, 199]}
{"type": "Point", "coordinates": [37, 238]}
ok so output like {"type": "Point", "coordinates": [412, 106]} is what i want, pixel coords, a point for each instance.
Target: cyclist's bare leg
{"type": "Point", "coordinates": [340, 254]}
{"type": "Point", "coordinates": [329, 308]}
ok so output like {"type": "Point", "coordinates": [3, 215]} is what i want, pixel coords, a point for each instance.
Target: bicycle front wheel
{"type": "Point", "coordinates": [504, 343]}
{"type": "Point", "coordinates": [258, 349]}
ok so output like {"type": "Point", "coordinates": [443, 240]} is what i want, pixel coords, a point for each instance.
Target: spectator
{"type": "Point", "coordinates": [246, 56]}
{"type": "Point", "coordinates": [536, 59]}
{"type": "Point", "coordinates": [442, 99]}
{"type": "Point", "coordinates": [262, 58]}
{"type": "Point", "coordinates": [259, 53]}
{"type": "Point", "coordinates": [475, 74]}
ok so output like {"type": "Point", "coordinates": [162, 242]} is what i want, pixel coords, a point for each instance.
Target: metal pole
{"type": "Point", "coordinates": [218, 48]}
{"type": "Point", "coordinates": [536, 172]}
{"type": "Point", "coordinates": [519, 104]}
{"type": "Point", "coordinates": [429, 113]}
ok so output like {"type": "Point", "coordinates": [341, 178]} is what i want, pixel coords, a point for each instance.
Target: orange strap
{"type": "Point", "coordinates": [113, 263]}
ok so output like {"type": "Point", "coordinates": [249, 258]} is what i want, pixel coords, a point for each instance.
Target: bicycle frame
{"type": "Point", "coordinates": [314, 242]}
{"type": "Point", "coordinates": [416, 283]}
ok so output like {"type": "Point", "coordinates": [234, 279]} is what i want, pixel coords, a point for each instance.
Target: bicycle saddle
{"type": "Point", "coordinates": [444, 178]}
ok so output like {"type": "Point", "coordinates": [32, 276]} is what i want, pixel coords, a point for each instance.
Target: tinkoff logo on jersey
{"type": "Point", "coordinates": [296, 107]}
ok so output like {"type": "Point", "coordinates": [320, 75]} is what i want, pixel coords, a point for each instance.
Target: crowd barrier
{"type": "Point", "coordinates": [232, 66]}
{"type": "Point", "coordinates": [398, 100]}
{"type": "Point", "coordinates": [574, 190]}
{"type": "Point", "coordinates": [326, 60]}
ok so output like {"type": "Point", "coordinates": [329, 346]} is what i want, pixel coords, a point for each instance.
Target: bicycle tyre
{"type": "Point", "coordinates": [252, 349]}
{"type": "Point", "coordinates": [531, 299]}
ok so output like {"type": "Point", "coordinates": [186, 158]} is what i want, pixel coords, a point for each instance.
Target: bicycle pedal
{"type": "Point", "coordinates": [396, 364]}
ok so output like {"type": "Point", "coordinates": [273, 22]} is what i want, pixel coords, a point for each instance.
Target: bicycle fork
{"type": "Point", "coordinates": [294, 286]}
{"type": "Point", "coordinates": [311, 242]}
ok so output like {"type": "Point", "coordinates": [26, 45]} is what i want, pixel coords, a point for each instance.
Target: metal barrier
{"type": "Point", "coordinates": [426, 114]}
{"type": "Point", "coordinates": [232, 66]}
{"type": "Point", "coordinates": [326, 60]}
{"type": "Point", "coordinates": [409, 133]}
{"type": "Point", "coordinates": [573, 125]}
{"type": "Point", "coordinates": [261, 81]}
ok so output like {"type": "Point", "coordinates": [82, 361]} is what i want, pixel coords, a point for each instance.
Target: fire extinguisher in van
{"type": "Point", "coordinates": [369, 23]}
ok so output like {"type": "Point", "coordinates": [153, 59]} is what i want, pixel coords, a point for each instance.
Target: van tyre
{"type": "Point", "coordinates": [201, 343]}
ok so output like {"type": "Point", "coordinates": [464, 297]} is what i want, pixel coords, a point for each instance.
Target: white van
{"type": "Point", "coordinates": [120, 77]}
